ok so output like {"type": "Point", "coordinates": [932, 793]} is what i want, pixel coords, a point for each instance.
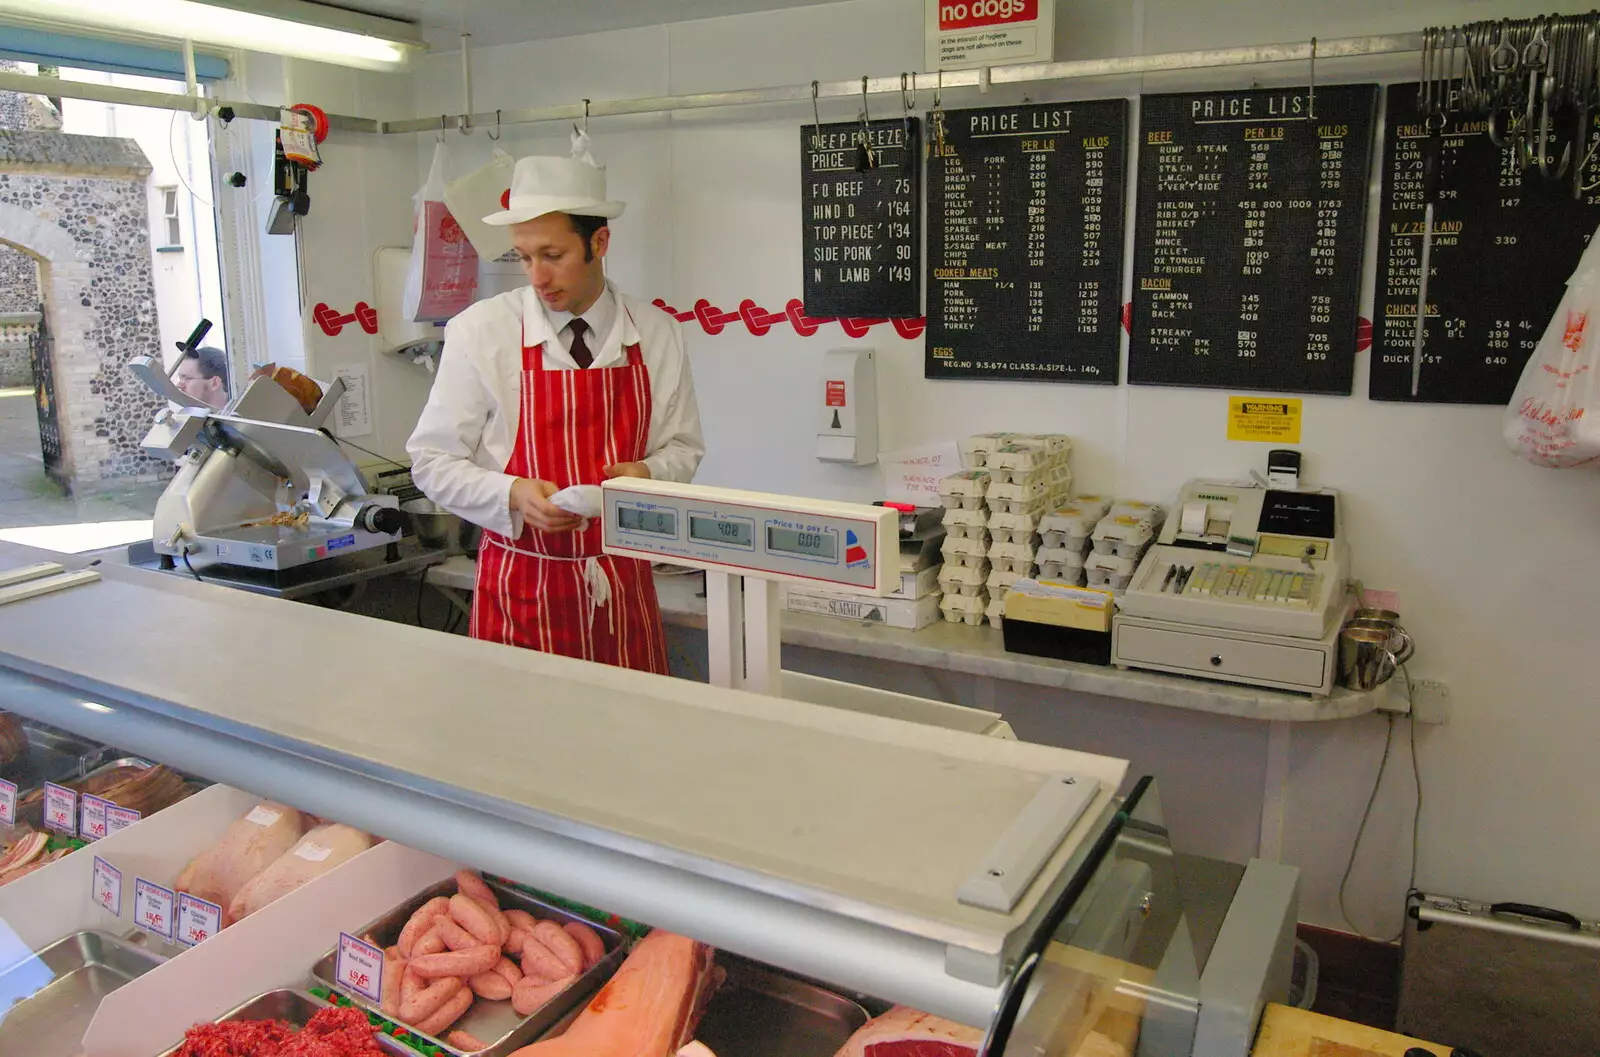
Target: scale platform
{"type": "Point", "coordinates": [279, 547]}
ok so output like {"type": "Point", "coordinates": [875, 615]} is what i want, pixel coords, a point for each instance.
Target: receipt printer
{"type": "Point", "coordinates": [847, 416]}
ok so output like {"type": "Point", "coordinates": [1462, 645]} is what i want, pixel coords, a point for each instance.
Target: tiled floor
{"type": "Point", "coordinates": [28, 497]}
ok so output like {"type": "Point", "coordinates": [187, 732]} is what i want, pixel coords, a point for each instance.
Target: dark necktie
{"type": "Point", "coordinates": [580, 351]}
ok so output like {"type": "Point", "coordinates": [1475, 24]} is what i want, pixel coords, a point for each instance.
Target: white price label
{"type": "Point", "coordinates": [106, 890]}
{"type": "Point", "coordinates": [8, 803]}
{"type": "Point", "coordinates": [153, 907]}
{"type": "Point", "coordinates": [120, 818]}
{"type": "Point", "coordinates": [92, 817]}
{"type": "Point", "coordinates": [360, 967]}
{"type": "Point", "coordinates": [60, 809]}
{"type": "Point", "coordinates": [198, 920]}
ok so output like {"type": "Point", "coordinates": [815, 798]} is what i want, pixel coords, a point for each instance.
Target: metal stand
{"type": "Point", "coordinates": [742, 644]}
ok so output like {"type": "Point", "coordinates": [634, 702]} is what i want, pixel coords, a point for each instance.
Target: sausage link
{"type": "Point", "coordinates": [426, 1002]}
{"type": "Point", "coordinates": [593, 947]}
{"type": "Point", "coordinates": [539, 962]}
{"type": "Point", "coordinates": [470, 962]}
{"type": "Point", "coordinates": [490, 985]}
{"type": "Point", "coordinates": [448, 1013]}
{"type": "Point", "coordinates": [476, 919]}
{"type": "Point", "coordinates": [561, 944]}
{"type": "Point", "coordinates": [530, 994]}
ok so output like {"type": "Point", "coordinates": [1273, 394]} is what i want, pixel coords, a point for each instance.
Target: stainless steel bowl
{"type": "Point", "coordinates": [434, 525]}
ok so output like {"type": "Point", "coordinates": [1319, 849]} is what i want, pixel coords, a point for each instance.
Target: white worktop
{"type": "Point", "coordinates": [980, 651]}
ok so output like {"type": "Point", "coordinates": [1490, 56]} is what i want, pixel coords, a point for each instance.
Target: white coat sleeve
{"type": "Point", "coordinates": [676, 445]}
{"type": "Point", "coordinates": [448, 437]}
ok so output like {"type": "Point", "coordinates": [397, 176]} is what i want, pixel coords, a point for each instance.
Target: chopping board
{"type": "Point", "coordinates": [1289, 1032]}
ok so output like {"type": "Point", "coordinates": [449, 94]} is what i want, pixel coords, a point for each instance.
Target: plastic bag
{"type": "Point", "coordinates": [1553, 418]}
{"type": "Point", "coordinates": [476, 195]}
{"type": "Point", "coordinates": [442, 278]}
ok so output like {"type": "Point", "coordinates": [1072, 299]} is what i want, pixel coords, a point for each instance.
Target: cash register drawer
{"type": "Point", "coordinates": [1221, 657]}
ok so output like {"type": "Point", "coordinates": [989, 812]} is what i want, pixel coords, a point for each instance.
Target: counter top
{"type": "Point", "coordinates": [980, 651]}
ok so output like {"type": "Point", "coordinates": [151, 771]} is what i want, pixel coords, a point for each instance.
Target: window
{"type": "Point", "coordinates": [169, 216]}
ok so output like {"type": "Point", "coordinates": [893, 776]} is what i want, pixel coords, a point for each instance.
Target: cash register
{"type": "Point", "coordinates": [1246, 583]}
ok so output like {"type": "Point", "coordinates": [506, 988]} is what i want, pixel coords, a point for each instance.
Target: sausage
{"type": "Point", "coordinates": [426, 1002]}
{"type": "Point", "coordinates": [513, 944]}
{"type": "Point", "coordinates": [394, 967]}
{"type": "Point", "coordinates": [561, 944]}
{"type": "Point", "coordinates": [476, 919]}
{"type": "Point", "coordinates": [448, 1013]}
{"type": "Point", "coordinates": [490, 985]}
{"type": "Point", "coordinates": [472, 886]}
{"type": "Point", "coordinates": [429, 943]}
{"type": "Point", "coordinates": [454, 936]}
{"type": "Point", "coordinates": [470, 962]}
{"type": "Point", "coordinates": [465, 1043]}
{"type": "Point", "coordinates": [540, 963]}
{"type": "Point", "coordinates": [508, 969]}
{"type": "Point", "coordinates": [589, 941]}
{"type": "Point", "coordinates": [521, 919]}
{"type": "Point", "coordinates": [530, 994]}
{"type": "Point", "coordinates": [420, 921]}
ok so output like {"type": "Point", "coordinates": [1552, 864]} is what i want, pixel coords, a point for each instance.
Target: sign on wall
{"type": "Point", "coordinates": [961, 34]}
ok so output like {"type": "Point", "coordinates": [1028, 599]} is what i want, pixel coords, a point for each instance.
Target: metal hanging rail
{"type": "Point", "coordinates": [1250, 55]}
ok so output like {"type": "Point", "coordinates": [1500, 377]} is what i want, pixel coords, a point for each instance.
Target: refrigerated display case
{"type": "Point", "coordinates": [1026, 890]}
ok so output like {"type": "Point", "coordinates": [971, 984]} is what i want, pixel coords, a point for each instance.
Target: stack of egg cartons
{"type": "Point", "coordinates": [1119, 540]}
{"type": "Point", "coordinates": [965, 547]}
{"type": "Point", "coordinates": [1064, 538]}
{"type": "Point", "coordinates": [1028, 474]}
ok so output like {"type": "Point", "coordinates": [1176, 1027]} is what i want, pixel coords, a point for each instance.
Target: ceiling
{"type": "Point", "coordinates": [507, 21]}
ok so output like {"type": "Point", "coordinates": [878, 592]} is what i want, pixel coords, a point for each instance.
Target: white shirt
{"type": "Point", "coordinates": [465, 434]}
{"type": "Point", "coordinates": [599, 316]}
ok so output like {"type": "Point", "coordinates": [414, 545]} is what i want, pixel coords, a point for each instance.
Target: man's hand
{"type": "Point", "coordinates": [628, 469]}
{"type": "Point", "coordinates": [532, 498]}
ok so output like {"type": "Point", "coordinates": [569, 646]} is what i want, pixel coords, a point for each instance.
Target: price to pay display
{"type": "Point", "coordinates": [774, 537]}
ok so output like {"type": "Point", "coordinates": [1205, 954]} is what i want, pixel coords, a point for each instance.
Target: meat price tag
{"type": "Point", "coordinates": [120, 818]}
{"type": "Point", "coordinates": [198, 920]}
{"type": "Point", "coordinates": [8, 803]}
{"type": "Point", "coordinates": [360, 967]}
{"type": "Point", "coordinates": [153, 907]}
{"type": "Point", "coordinates": [106, 889]}
{"type": "Point", "coordinates": [92, 817]}
{"type": "Point", "coordinates": [60, 809]}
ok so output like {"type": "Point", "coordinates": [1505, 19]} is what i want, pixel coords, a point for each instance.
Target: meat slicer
{"type": "Point", "coordinates": [259, 484]}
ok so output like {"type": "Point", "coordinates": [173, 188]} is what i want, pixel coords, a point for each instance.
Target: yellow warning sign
{"type": "Point", "coordinates": [1267, 419]}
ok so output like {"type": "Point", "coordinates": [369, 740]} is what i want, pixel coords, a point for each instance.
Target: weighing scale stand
{"type": "Point", "coordinates": [742, 636]}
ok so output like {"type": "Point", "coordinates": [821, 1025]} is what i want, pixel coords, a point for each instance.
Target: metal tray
{"type": "Point", "coordinates": [51, 757]}
{"type": "Point", "coordinates": [50, 997]}
{"type": "Point", "coordinates": [494, 1022]}
{"type": "Point", "coordinates": [297, 1008]}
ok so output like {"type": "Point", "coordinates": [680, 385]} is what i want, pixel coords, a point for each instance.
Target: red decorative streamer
{"type": "Point", "coordinates": [759, 321]}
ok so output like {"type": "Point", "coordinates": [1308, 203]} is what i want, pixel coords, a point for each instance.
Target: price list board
{"type": "Point", "coordinates": [861, 230]}
{"type": "Point", "coordinates": [1025, 208]}
{"type": "Point", "coordinates": [1248, 238]}
{"type": "Point", "coordinates": [1504, 244]}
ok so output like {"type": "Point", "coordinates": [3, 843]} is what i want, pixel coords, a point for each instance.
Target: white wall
{"type": "Point", "coordinates": [1493, 558]}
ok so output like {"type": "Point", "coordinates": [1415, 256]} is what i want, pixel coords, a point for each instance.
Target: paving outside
{"type": "Point", "coordinates": [28, 497]}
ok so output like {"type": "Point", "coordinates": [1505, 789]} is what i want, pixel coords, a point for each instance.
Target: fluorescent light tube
{"type": "Point", "coordinates": [280, 32]}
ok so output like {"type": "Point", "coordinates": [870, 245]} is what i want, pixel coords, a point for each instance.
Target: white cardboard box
{"type": "Point", "coordinates": [908, 613]}
{"type": "Point", "coordinates": [918, 584]}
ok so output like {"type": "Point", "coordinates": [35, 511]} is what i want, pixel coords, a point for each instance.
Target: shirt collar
{"type": "Point", "coordinates": [599, 316]}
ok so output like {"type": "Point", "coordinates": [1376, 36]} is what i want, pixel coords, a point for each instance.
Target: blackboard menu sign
{"type": "Point", "coordinates": [862, 231]}
{"type": "Point", "coordinates": [1248, 238]}
{"type": "Point", "coordinates": [1025, 236]}
{"type": "Point", "coordinates": [1504, 243]}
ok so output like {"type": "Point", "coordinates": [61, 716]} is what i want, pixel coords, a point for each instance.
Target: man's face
{"type": "Point", "coordinates": [195, 385]}
{"type": "Point", "coordinates": [552, 256]}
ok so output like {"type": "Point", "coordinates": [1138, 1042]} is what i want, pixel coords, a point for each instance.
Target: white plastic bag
{"type": "Point", "coordinates": [476, 195]}
{"type": "Point", "coordinates": [443, 275]}
{"type": "Point", "coordinates": [1553, 418]}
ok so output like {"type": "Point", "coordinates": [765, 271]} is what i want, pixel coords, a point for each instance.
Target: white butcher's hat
{"type": "Point", "coordinates": [541, 185]}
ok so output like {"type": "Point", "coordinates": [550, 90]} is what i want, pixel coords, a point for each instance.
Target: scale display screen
{"type": "Point", "coordinates": [823, 545]}
{"type": "Point", "coordinates": [719, 530]}
{"type": "Point", "coordinates": [655, 522]}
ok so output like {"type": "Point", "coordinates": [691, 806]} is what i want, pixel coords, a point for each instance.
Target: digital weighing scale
{"type": "Point", "coordinates": [748, 542]}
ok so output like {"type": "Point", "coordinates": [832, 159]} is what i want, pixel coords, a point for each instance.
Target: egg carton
{"type": "Point", "coordinates": [963, 532]}
{"type": "Point", "coordinates": [1028, 462]}
{"type": "Point", "coordinates": [1124, 535]}
{"type": "Point", "coordinates": [1064, 542]}
{"type": "Point", "coordinates": [964, 490]}
{"type": "Point", "coordinates": [1014, 528]}
{"type": "Point", "coordinates": [1055, 572]}
{"type": "Point", "coordinates": [963, 580]}
{"type": "Point", "coordinates": [964, 609]}
{"type": "Point", "coordinates": [1107, 579]}
{"type": "Point", "coordinates": [1064, 556]}
{"type": "Point", "coordinates": [967, 524]}
{"type": "Point", "coordinates": [1000, 581]}
{"type": "Point", "coordinates": [961, 551]}
{"type": "Point", "coordinates": [1111, 563]}
{"type": "Point", "coordinates": [996, 612]}
{"type": "Point", "coordinates": [976, 448]}
{"type": "Point", "coordinates": [1074, 518]}
{"type": "Point", "coordinates": [1146, 512]}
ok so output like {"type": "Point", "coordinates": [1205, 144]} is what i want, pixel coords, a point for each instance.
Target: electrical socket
{"type": "Point", "coordinates": [1430, 702]}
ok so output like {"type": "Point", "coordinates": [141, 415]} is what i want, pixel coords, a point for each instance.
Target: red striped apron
{"type": "Point", "coordinates": [557, 592]}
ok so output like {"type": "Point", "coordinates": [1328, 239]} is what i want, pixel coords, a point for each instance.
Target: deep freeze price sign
{"type": "Point", "coordinates": [106, 888]}
{"type": "Point", "coordinates": [60, 809]}
{"type": "Point", "coordinates": [961, 34]}
{"type": "Point", "coordinates": [360, 967]}
{"type": "Point", "coordinates": [154, 908]}
{"type": "Point", "coordinates": [198, 920]}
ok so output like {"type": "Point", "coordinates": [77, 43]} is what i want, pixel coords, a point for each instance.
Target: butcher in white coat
{"type": "Point", "coordinates": [565, 382]}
